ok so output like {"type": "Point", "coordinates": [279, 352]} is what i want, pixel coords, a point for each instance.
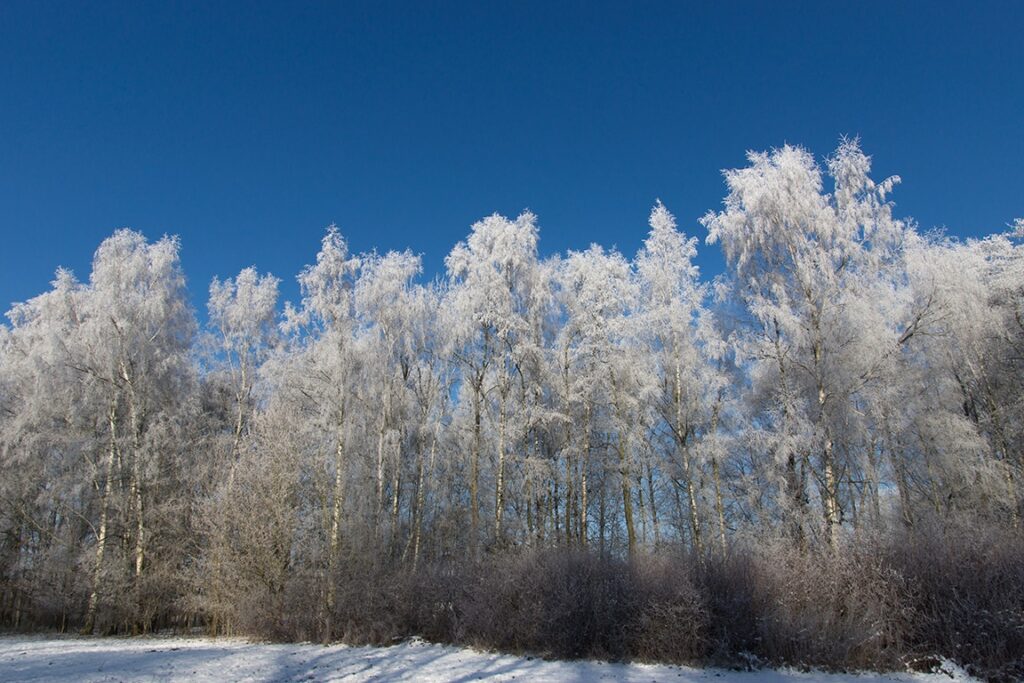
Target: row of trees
{"type": "Point", "coordinates": [846, 375]}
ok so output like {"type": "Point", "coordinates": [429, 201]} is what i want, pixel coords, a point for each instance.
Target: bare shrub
{"type": "Point", "coordinates": [672, 622]}
{"type": "Point", "coordinates": [966, 594]}
{"type": "Point", "coordinates": [832, 609]}
{"type": "Point", "coordinates": [878, 603]}
{"type": "Point", "coordinates": [375, 604]}
{"type": "Point", "coordinates": [729, 588]}
{"type": "Point", "coordinates": [557, 603]}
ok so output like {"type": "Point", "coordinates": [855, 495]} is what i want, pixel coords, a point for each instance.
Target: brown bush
{"type": "Point", "coordinates": [880, 602]}
{"type": "Point", "coordinates": [672, 621]}
{"type": "Point", "coordinates": [965, 596]}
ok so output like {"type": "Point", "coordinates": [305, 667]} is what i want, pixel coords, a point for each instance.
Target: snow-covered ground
{"type": "Point", "coordinates": [29, 658]}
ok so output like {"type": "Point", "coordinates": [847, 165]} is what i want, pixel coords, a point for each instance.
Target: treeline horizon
{"type": "Point", "coordinates": [847, 391]}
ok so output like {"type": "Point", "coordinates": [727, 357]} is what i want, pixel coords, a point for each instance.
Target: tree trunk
{"type": "Point", "coordinates": [585, 469]}
{"type": "Point", "coordinates": [873, 483]}
{"type": "Point", "coordinates": [101, 532]}
{"type": "Point", "coordinates": [334, 538]}
{"type": "Point", "coordinates": [830, 495]}
{"type": "Point", "coordinates": [627, 499]}
{"type": "Point", "coordinates": [396, 498]}
{"type": "Point", "coordinates": [379, 510]}
{"type": "Point", "coordinates": [682, 434]}
{"type": "Point", "coordinates": [474, 477]}
{"type": "Point", "coordinates": [719, 505]}
{"type": "Point", "coordinates": [499, 485]}
{"type": "Point", "coordinates": [135, 484]}
{"type": "Point", "coordinates": [642, 508]}
{"type": "Point", "coordinates": [654, 505]}
{"type": "Point", "coordinates": [691, 496]}
{"type": "Point", "coordinates": [421, 499]}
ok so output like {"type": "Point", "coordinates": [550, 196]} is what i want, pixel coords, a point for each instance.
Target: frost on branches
{"type": "Point", "coordinates": [846, 373]}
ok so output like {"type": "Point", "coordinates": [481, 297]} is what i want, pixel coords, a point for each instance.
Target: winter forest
{"type": "Point", "coordinates": [816, 457]}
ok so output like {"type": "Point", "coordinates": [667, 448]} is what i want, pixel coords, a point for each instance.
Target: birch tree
{"type": "Point", "coordinates": [494, 288]}
{"type": "Point", "coordinates": [806, 266]}
{"type": "Point", "coordinates": [679, 335]}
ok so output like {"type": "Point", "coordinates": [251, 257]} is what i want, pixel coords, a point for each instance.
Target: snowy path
{"type": "Point", "coordinates": [27, 658]}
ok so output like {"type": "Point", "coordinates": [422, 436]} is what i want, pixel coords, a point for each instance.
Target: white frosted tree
{"type": "Point", "coordinates": [386, 301]}
{"type": "Point", "coordinates": [314, 381]}
{"type": "Point", "coordinates": [495, 297]}
{"type": "Point", "coordinates": [812, 271]}
{"type": "Point", "coordinates": [680, 336]}
{"type": "Point", "coordinates": [326, 472]}
{"type": "Point", "coordinates": [243, 317]}
{"type": "Point", "coordinates": [50, 449]}
{"type": "Point", "coordinates": [242, 333]}
{"type": "Point", "coordinates": [962, 438]}
{"type": "Point", "coordinates": [109, 373]}
{"type": "Point", "coordinates": [135, 338]}
{"type": "Point", "coordinates": [607, 372]}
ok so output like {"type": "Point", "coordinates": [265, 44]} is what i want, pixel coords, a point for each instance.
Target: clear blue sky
{"type": "Point", "coordinates": [246, 128]}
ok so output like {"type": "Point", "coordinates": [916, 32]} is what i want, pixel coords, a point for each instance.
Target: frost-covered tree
{"type": "Point", "coordinates": [960, 437]}
{"type": "Point", "coordinates": [386, 301]}
{"type": "Point", "coordinates": [606, 372]}
{"type": "Point", "coordinates": [135, 338]}
{"type": "Point", "coordinates": [109, 372]}
{"type": "Point", "coordinates": [314, 380]}
{"type": "Point", "coordinates": [495, 299]}
{"type": "Point", "coordinates": [48, 455]}
{"type": "Point", "coordinates": [812, 270]}
{"type": "Point", "coordinates": [681, 337]}
{"type": "Point", "coordinates": [242, 315]}
{"type": "Point", "coordinates": [389, 455]}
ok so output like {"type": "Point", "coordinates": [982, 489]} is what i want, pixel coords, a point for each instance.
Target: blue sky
{"type": "Point", "coordinates": [246, 128]}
